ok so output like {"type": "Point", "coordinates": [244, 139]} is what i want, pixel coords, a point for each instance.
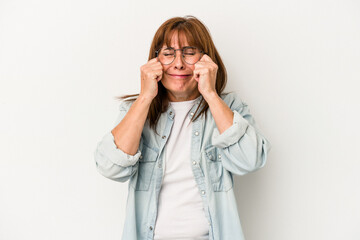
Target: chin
{"type": "Point", "coordinates": [179, 86]}
{"type": "Point", "coordinates": [181, 91]}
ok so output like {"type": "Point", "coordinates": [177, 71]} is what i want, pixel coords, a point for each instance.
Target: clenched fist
{"type": "Point", "coordinates": [151, 73]}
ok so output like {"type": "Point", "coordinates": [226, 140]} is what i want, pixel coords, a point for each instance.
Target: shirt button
{"type": "Point", "coordinates": [140, 156]}
{"type": "Point", "coordinates": [210, 156]}
{"type": "Point", "coordinates": [194, 162]}
{"type": "Point", "coordinates": [163, 137]}
{"type": "Point", "coordinates": [219, 156]}
{"type": "Point", "coordinates": [191, 113]}
{"type": "Point", "coordinates": [159, 165]}
{"type": "Point", "coordinates": [150, 228]}
{"type": "Point", "coordinates": [196, 133]}
{"type": "Point", "coordinates": [170, 113]}
{"type": "Point", "coordinates": [203, 192]}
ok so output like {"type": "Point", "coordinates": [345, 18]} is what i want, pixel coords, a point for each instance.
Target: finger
{"type": "Point", "coordinates": [202, 58]}
{"type": "Point", "coordinates": [206, 58]}
{"type": "Point", "coordinates": [155, 65]}
{"type": "Point", "coordinates": [157, 75]}
{"type": "Point", "coordinates": [201, 67]}
{"type": "Point", "coordinates": [201, 64]}
{"type": "Point", "coordinates": [153, 60]}
{"type": "Point", "coordinates": [206, 64]}
{"type": "Point", "coordinates": [196, 75]}
{"type": "Point", "coordinates": [155, 69]}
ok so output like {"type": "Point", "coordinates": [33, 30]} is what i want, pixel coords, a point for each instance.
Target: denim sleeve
{"type": "Point", "coordinates": [111, 161]}
{"type": "Point", "coordinates": [243, 148]}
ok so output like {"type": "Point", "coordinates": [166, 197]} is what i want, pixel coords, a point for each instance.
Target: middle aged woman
{"type": "Point", "coordinates": [180, 141]}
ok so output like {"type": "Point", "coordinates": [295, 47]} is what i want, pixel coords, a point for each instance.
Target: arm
{"type": "Point", "coordinates": [241, 145]}
{"type": "Point", "coordinates": [117, 154]}
{"type": "Point", "coordinates": [221, 113]}
{"type": "Point", "coordinates": [128, 132]}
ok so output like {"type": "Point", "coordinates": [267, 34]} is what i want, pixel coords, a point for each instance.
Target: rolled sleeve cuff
{"type": "Point", "coordinates": [116, 155]}
{"type": "Point", "coordinates": [232, 134]}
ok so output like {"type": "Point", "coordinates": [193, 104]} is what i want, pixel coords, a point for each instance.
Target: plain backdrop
{"type": "Point", "coordinates": [62, 63]}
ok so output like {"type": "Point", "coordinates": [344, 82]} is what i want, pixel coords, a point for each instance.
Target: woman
{"type": "Point", "coordinates": [181, 140]}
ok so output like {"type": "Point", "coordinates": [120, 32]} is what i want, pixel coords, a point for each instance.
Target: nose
{"type": "Point", "coordinates": [178, 61]}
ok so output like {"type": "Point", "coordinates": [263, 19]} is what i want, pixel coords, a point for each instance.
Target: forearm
{"type": "Point", "coordinates": [221, 112]}
{"type": "Point", "coordinates": [128, 132]}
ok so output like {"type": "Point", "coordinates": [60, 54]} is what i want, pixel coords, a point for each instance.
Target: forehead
{"type": "Point", "coordinates": [176, 39]}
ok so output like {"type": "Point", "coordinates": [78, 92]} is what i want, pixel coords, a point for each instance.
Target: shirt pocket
{"type": "Point", "coordinates": [142, 179]}
{"type": "Point", "coordinates": [220, 178]}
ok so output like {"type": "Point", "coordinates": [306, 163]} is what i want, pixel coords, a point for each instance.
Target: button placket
{"type": "Point", "coordinates": [171, 113]}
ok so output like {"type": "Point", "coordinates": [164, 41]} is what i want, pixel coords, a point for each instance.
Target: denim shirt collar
{"type": "Point", "coordinates": [170, 111]}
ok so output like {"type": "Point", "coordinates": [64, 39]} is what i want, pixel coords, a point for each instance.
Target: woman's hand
{"type": "Point", "coordinates": [205, 74]}
{"type": "Point", "coordinates": [151, 73]}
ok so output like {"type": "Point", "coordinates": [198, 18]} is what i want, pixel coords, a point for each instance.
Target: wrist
{"type": "Point", "coordinates": [210, 95]}
{"type": "Point", "coordinates": [143, 99]}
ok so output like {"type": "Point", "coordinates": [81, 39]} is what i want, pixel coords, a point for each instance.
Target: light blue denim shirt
{"type": "Point", "coordinates": [215, 157]}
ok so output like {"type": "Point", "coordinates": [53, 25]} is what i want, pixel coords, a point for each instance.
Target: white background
{"type": "Point", "coordinates": [62, 63]}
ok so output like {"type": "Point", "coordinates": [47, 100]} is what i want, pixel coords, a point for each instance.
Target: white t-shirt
{"type": "Point", "coordinates": [180, 214]}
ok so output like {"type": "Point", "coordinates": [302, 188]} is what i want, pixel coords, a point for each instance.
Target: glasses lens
{"type": "Point", "coordinates": [166, 55]}
{"type": "Point", "coordinates": [191, 55]}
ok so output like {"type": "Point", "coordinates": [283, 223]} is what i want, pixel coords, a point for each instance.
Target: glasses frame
{"type": "Point", "coordinates": [182, 54]}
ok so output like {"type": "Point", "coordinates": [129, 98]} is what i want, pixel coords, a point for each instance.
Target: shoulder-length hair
{"type": "Point", "coordinates": [197, 35]}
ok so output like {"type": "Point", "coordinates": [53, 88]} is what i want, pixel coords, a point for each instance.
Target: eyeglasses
{"type": "Point", "coordinates": [191, 55]}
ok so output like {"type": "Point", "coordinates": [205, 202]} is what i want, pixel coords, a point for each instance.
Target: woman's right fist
{"type": "Point", "coordinates": [151, 73]}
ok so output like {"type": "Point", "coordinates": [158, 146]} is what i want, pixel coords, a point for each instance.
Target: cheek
{"type": "Point", "coordinates": [192, 67]}
{"type": "Point", "coordinates": [165, 67]}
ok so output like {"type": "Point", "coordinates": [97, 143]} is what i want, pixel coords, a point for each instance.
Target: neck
{"type": "Point", "coordinates": [181, 98]}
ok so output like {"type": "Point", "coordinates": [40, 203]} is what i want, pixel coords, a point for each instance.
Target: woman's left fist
{"type": "Point", "coordinates": [205, 74]}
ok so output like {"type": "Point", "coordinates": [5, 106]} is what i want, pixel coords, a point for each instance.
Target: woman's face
{"type": "Point", "coordinates": [178, 76]}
